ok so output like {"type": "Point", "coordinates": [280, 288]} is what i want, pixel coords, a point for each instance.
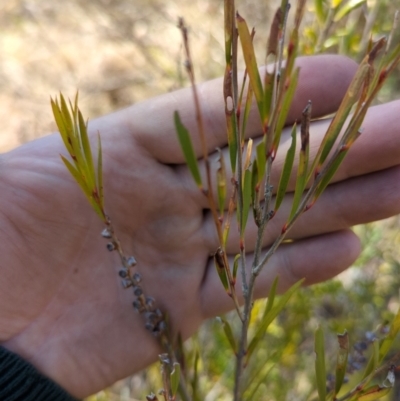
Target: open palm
{"type": "Point", "coordinates": [62, 306]}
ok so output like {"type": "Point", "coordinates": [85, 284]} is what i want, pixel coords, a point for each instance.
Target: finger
{"type": "Point", "coordinates": [323, 80]}
{"type": "Point", "coordinates": [354, 201]}
{"type": "Point", "coordinates": [315, 259]}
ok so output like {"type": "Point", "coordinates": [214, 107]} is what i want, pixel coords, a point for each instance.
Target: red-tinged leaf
{"type": "Point", "coordinates": [374, 393]}
{"type": "Point", "coordinates": [320, 369]}
{"type": "Point", "coordinates": [275, 32]}
{"type": "Point", "coordinates": [286, 171]}
{"type": "Point", "coordinates": [341, 363]}
{"type": "Point", "coordinates": [219, 263]}
{"type": "Point", "coordinates": [247, 108]}
{"type": "Point", "coordinates": [187, 149]}
{"type": "Point", "coordinates": [228, 333]}
{"type": "Point", "coordinates": [251, 63]}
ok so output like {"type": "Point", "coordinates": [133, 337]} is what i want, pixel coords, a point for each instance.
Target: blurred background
{"type": "Point", "coordinates": [118, 52]}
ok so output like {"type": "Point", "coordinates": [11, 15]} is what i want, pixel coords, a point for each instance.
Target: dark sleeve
{"type": "Point", "coordinates": [20, 381]}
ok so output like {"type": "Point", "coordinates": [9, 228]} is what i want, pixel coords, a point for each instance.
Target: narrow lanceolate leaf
{"type": "Point", "coordinates": [251, 63]}
{"type": "Point", "coordinates": [228, 333]}
{"type": "Point", "coordinates": [86, 147]}
{"type": "Point", "coordinates": [269, 317]}
{"type": "Point", "coordinates": [219, 263]}
{"type": "Point", "coordinates": [61, 125]}
{"type": "Point", "coordinates": [341, 115]}
{"type": "Point", "coordinates": [221, 183]}
{"type": "Point", "coordinates": [231, 126]}
{"type": "Point", "coordinates": [301, 180]}
{"type": "Point", "coordinates": [390, 338]}
{"type": "Point", "coordinates": [100, 171]}
{"type": "Point", "coordinates": [195, 379]}
{"type": "Point", "coordinates": [374, 393]}
{"type": "Point", "coordinates": [229, 16]}
{"type": "Point", "coordinates": [328, 175]}
{"type": "Point", "coordinates": [347, 9]}
{"type": "Point", "coordinates": [320, 370]}
{"type": "Point", "coordinates": [187, 149]}
{"type": "Point", "coordinates": [271, 296]}
{"type": "Point", "coordinates": [83, 184]}
{"type": "Point", "coordinates": [247, 191]}
{"type": "Point", "coordinates": [261, 160]}
{"type": "Point", "coordinates": [235, 267]}
{"type": "Point", "coordinates": [341, 363]}
{"type": "Point", "coordinates": [320, 10]}
{"type": "Point", "coordinates": [175, 377]}
{"type": "Point", "coordinates": [384, 346]}
{"type": "Point", "coordinates": [275, 32]}
{"type": "Point", "coordinates": [246, 112]}
{"type": "Point", "coordinates": [286, 171]}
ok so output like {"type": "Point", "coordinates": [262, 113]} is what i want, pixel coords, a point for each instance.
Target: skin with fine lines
{"type": "Point", "coordinates": [62, 306]}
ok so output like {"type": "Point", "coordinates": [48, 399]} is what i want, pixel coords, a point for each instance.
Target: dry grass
{"type": "Point", "coordinates": [116, 52]}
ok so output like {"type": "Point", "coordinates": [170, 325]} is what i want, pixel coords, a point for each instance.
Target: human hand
{"type": "Point", "coordinates": [62, 307]}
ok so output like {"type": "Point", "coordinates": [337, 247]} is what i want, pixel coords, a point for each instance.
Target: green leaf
{"type": "Point", "coordinates": [228, 333]}
{"type": "Point", "coordinates": [82, 183]}
{"type": "Point", "coordinates": [251, 63]}
{"type": "Point", "coordinates": [229, 20]}
{"type": "Point", "coordinates": [195, 379]}
{"type": "Point", "coordinates": [61, 125]}
{"type": "Point", "coordinates": [235, 266]}
{"type": "Point", "coordinates": [286, 103]}
{"type": "Point", "coordinates": [286, 171]}
{"type": "Point", "coordinates": [221, 183]}
{"type": "Point", "coordinates": [271, 296]}
{"type": "Point", "coordinates": [261, 161]}
{"type": "Point", "coordinates": [232, 142]}
{"type": "Point", "coordinates": [347, 9]}
{"type": "Point", "coordinates": [100, 172]}
{"type": "Point", "coordinates": [341, 115]}
{"type": "Point", "coordinates": [390, 338]}
{"type": "Point", "coordinates": [328, 175]}
{"type": "Point", "coordinates": [320, 10]}
{"type": "Point", "coordinates": [175, 377]}
{"type": "Point", "coordinates": [187, 149]}
{"type": "Point", "coordinates": [341, 363]}
{"type": "Point", "coordinates": [320, 370]}
{"type": "Point", "coordinates": [86, 149]}
{"type": "Point", "coordinates": [269, 317]}
{"type": "Point", "coordinates": [247, 191]}
{"type": "Point", "coordinates": [221, 269]}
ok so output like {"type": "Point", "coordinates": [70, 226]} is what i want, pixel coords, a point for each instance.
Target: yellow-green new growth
{"type": "Point", "coordinates": [73, 131]}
